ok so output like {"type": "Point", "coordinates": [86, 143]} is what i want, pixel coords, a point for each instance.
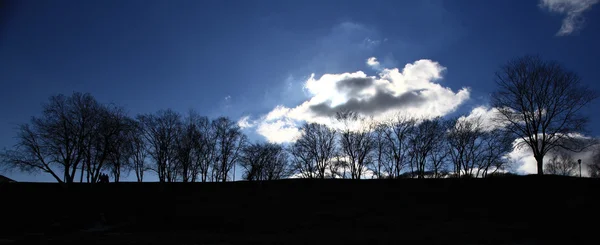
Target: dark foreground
{"type": "Point", "coordinates": [501, 210]}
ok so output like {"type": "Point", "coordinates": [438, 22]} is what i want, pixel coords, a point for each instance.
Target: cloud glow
{"type": "Point", "coordinates": [412, 90]}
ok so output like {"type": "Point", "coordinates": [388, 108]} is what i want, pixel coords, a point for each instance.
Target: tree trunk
{"type": "Point", "coordinates": [117, 175]}
{"type": "Point", "coordinates": [540, 164]}
{"type": "Point", "coordinates": [66, 178]}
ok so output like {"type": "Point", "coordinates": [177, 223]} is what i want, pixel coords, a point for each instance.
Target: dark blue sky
{"type": "Point", "coordinates": [237, 58]}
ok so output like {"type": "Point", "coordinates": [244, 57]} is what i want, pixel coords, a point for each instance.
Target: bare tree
{"type": "Point", "coordinates": [497, 143]}
{"type": "Point", "coordinates": [356, 142]}
{"type": "Point", "coordinates": [138, 150]}
{"type": "Point", "coordinates": [264, 161]}
{"type": "Point", "coordinates": [380, 146]}
{"type": "Point", "coordinates": [104, 147]}
{"type": "Point", "coordinates": [117, 141]}
{"type": "Point", "coordinates": [439, 157]}
{"type": "Point", "coordinates": [540, 103]}
{"type": "Point", "coordinates": [302, 159]}
{"type": "Point", "coordinates": [314, 151]}
{"type": "Point", "coordinates": [160, 132]}
{"type": "Point", "coordinates": [475, 149]}
{"type": "Point", "coordinates": [422, 143]}
{"type": "Point", "coordinates": [205, 148]}
{"type": "Point", "coordinates": [229, 142]}
{"type": "Point", "coordinates": [185, 147]}
{"type": "Point", "coordinates": [55, 140]}
{"type": "Point", "coordinates": [561, 164]}
{"type": "Point", "coordinates": [465, 144]}
{"type": "Point", "coordinates": [397, 132]}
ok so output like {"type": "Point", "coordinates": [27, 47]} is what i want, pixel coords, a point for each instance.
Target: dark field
{"type": "Point", "coordinates": [501, 210]}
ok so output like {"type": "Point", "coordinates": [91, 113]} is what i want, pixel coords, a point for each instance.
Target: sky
{"type": "Point", "coordinates": [272, 65]}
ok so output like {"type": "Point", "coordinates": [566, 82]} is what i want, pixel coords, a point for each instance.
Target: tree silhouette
{"type": "Point", "coordinates": [561, 164]}
{"type": "Point", "coordinates": [264, 161]}
{"type": "Point", "coordinates": [540, 103]}
{"type": "Point", "coordinates": [229, 142]}
{"type": "Point", "coordinates": [205, 149]}
{"type": "Point", "coordinates": [475, 150]}
{"type": "Point", "coordinates": [57, 138]}
{"type": "Point", "coordinates": [423, 141]}
{"type": "Point", "coordinates": [160, 132]}
{"type": "Point", "coordinates": [356, 142]}
{"type": "Point", "coordinates": [313, 153]}
{"type": "Point", "coordinates": [396, 144]}
{"type": "Point", "coordinates": [137, 148]}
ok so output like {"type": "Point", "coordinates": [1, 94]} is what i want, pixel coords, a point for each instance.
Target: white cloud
{"type": "Point", "coordinates": [245, 122]}
{"type": "Point", "coordinates": [573, 9]}
{"type": "Point", "coordinates": [412, 91]}
{"type": "Point", "coordinates": [277, 113]}
{"type": "Point", "coordinates": [279, 130]}
{"type": "Point", "coordinates": [486, 115]}
{"type": "Point", "coordinates": [372, 62]}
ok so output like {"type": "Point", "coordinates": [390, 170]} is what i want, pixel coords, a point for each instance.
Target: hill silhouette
{"type": "Point", "coordinates": [4, 179]}
{"type": "Point", "coordinates": [499, 210]}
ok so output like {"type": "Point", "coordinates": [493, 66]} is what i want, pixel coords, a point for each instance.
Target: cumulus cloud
{"type": "Point", "coordinates": [486, 115]}
{"type": "Point", "coordinates": [573, 9]}
{"type": "Point", "coordinates": [372, 62]}
{"type": "Point", "coordinates": [279, 130]}
{"type": "Point", "coordinates": [245, 122]}
{"type": "Point", "coordinates": [414, 91]}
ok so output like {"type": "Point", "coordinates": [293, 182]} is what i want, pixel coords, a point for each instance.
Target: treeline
{"type": "Point", "coordinates": [77, 139]}
{"type": "Point", "coordinates": [401, 147]}
{"type": "Point", "coordinates": [538, 102]}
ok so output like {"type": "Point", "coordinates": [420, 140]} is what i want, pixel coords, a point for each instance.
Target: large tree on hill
{"type": "Point", "coordinates": [137, 149]}
{"type": "Point", "coordinates": [314, 151]}
{"type": "Point", "coordinates": [229, 141]}
{"type": "Point", "coordinates": [264, 161]}
{"type": "Point", "coordinates": [121, 155]}
{"type": "Point", "coordinates": [103, 146]}
{"type": "Point", "coordinates": [55, 141]}
{"type": "Point", "coordinates": [540, 102]}
{"type": "Point", "coordinates": [424, 142]}
{"type": "Point", "coordinates": [394, 148]}
{"type": "Point", "coordinates": [356, 142]}
{"type": "Point", "coordinates": [205, 149]}
{"type": "Point", "coordinates": [160, 131]}
{"type": "Point", "coordinates": [187, 138]}
{"type": "Point", "coordinates": [474, 149]}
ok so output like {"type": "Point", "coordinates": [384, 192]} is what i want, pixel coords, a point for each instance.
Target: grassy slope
{"type": "Point", "coordinates": [502, 210]}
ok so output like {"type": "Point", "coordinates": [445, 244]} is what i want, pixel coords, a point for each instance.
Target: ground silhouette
{"type": "Point", "coordinates": [496, 210]}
